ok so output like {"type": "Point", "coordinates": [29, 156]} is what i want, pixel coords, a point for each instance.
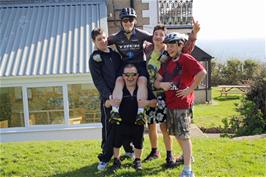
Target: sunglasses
{"type": "Point", "coordinates": [125, 20]}
{"type": "Point", "coordinates": [130, 74]}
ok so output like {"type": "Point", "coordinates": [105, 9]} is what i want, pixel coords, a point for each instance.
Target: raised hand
{"type": "Point", "coordinates": [196, 26]}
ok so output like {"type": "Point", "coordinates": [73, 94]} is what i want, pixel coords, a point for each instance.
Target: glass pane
{"type": "Point", "coordinates": [46, 105]}
{"type": "Point", "coordinates": [83, 104]}
{"type": "Point", "coordinates": [11, 107]}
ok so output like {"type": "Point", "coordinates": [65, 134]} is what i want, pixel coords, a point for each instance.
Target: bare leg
{"type": "Point", "coordinates": [137, 161]}
{"type": "Point", "coordinates": [170, 161]}
{"type": "Point", "coordinates": [153, 135]}
{"type": "Point", "coordinates": [166, 137]}
{"type": "Point", "coordinates": [118, 90]}
{"type": "Point", "coordinates": [117, 163]}
{"type": "Point", "coordinates": [138, 153]}
{"type": "Point", "coordinates": [187, 151]}
{"type": "Point", "coordinates": [142, 93]}
{"type": "Point", "coordinates": [116, 152]}
{"type": "Point", "coordinates": [180, 144]}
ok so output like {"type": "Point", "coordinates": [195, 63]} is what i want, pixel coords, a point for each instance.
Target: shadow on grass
{"type": "Point", "coordinates": [146, 171]}
{"type": "Point", "coordinates": [93, 172]}
{"type": "Point", "coordinates": [82, 172]}
{"type": "Point", "coordinates": [227, 98]}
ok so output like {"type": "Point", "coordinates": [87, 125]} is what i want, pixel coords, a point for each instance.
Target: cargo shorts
{"type": "Point", "coordinates": [178, 123]}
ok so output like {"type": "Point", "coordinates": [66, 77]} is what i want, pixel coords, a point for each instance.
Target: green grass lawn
{"type": "Point", "coordinates": [214, 157]}
{"type": "Point", "coordinates": [211, 115]}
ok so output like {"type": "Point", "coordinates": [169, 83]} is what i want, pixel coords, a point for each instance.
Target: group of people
{"type": "Point", "coordinates": [155, 78]}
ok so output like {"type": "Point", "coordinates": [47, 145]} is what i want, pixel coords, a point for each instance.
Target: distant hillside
{"type": "Point", "coordinates": [243, 49]}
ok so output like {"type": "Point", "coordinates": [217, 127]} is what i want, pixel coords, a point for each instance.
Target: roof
{"type": "Point", "coordinates": [48, 38]}
{"type": "Point", "coordinates": [200, 54]}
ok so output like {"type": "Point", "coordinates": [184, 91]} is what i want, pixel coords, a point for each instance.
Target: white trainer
{"type": "Point", "coordinates": [102, 165]}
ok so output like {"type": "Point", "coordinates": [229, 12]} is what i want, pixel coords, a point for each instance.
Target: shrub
{"type": "Point", "coordinates": [250, 121]}
{"type": "Point", "coordinates": [257, 94]}
{"type": "Point", "coordinates": [235, 71]}
{"type": "Point", "coordinates": [252, 109]}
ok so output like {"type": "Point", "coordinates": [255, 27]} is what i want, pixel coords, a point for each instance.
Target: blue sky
{"type": "Point", "coordinates": [230, 18]}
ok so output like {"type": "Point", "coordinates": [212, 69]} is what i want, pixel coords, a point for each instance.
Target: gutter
{"type": "Point", "coordinates": [132, 4]}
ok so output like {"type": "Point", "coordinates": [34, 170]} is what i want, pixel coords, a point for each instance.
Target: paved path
{"type": "Point", "coordinates": [250, 137]}
{"type": "Point", "coordinates": [195, 131]}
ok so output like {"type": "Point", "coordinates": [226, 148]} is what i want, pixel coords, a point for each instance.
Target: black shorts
{"type": "Point", "coordinates": [141, 67]}
{"type": "Point", "coordinates": [132, 133]}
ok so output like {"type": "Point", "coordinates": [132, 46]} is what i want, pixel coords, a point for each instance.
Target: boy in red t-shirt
{"type": "Point", "coordinates": [178, 77]}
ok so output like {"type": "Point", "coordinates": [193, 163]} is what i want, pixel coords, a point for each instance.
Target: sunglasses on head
{"type": "Point", "coordinates": [125, 20]}
{"type": "Point", "coordinates": [130, 74]}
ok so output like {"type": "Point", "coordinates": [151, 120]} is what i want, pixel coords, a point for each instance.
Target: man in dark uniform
{"type": "Point", "coordinates": [129, 43]}
{"type": "Point", "coordinates": [127, 130]}
{"type": "Point", "coordinates": [104, 65]}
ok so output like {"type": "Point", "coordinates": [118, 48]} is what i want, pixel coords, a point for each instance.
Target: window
{"type": "Point", "coordinates": [83, 104]}
{"type": "Point", "coordinates": [177, 13]}
{"type": "Point", "coordinates": [46, 105]}
{"type": "Point", "coordinates": [11, 107]}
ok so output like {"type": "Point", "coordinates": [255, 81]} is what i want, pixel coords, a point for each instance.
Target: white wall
{"type": "Point", "coordinates": [200, 96]}
{"type": "Point", "coordinates": [152, 13]}
{"type": "Point", "coordinates": [73, 133]}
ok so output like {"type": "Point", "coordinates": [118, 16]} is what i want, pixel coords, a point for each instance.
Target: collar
{"type": "Point", "coordinates": [103, 52]}
{"type": "Point", "coordinates": [133, 32]}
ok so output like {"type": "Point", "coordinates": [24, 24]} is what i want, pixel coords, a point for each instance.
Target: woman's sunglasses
{"type": "Point", "coordinates": [130, 74]}
{"type": "Point", "coordinates": [125, 20]}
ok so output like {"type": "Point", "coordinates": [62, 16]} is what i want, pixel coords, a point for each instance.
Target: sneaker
{"type": "Point", "coordinates": [137, 164]}
{"type": "Point", "coordinates": [152, 156]}
{"type": "Point", "coordinates": [180, 160]}
{"type": "Point", "coordinates": [116, 165]}
{"type": "Point", "coordinates": [170, 163]}
{"type": "Point", "coordinates": [140, 120]}
{"type": "Point", "coordinates": [187, 174]}
{"type": "Point", "coordinates": [115, 118]}
{"type": "Point", "coordinates": [102, 165]}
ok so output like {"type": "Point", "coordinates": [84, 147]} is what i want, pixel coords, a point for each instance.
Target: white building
{"type": "Point", "coordinates": [46, 90]}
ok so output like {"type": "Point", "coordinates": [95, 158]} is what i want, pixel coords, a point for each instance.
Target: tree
{"type": "Point", "coordinates": [236, 71]}
{"type": "Point", "coordinates": [251, 70]}
{"type": "Point", "coordinates": [217, 70]}
{"type": "Point", "coordinates": [233, 71]}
